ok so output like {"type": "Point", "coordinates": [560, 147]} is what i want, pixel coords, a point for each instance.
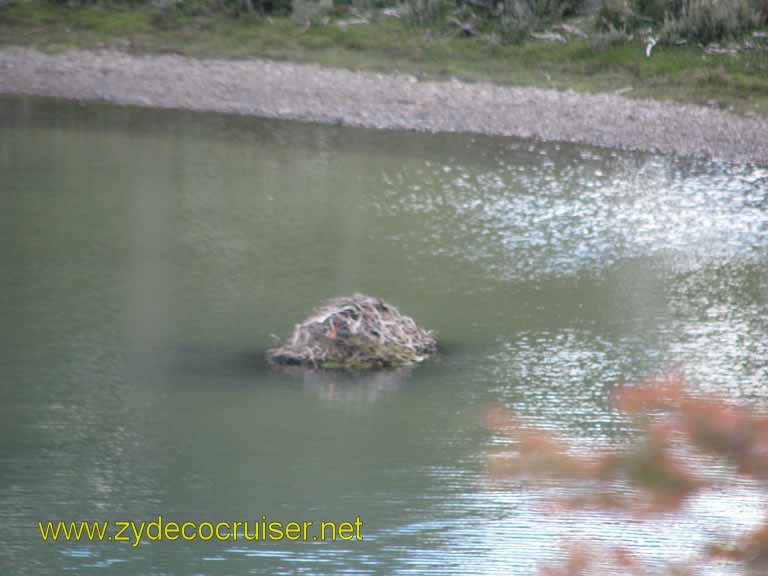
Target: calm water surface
{"type": "Point", "coordinates": [148, 257]}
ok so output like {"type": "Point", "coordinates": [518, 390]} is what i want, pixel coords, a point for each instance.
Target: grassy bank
{"type": "Point", "coordinates": [682, 73]}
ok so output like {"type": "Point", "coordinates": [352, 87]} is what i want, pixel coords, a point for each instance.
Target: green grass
{"type": "Point", "coordinates": [684, 74]}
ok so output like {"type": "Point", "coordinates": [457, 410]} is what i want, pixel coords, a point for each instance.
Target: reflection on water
{"type": "Point", "coordinates": [351, 387]}
{"type": "Point", "coordinates": [718, 334]}
{"type": "Point", "coordinates": [148, 256]}
{"type": "Point", "coordinates": [532, 216]}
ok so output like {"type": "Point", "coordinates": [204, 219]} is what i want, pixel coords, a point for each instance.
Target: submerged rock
{"type": "Point", "coordinates": [356, 332]}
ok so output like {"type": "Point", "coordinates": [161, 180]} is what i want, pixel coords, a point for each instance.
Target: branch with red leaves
{"type": "Point", "coordinates": [670, 418]}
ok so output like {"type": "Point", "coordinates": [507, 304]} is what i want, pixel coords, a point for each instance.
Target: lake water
{"type": "Point", "coordinates": [147, 258]}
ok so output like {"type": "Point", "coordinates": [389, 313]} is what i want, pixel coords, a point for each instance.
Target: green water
{"type": "Point", "coordinates": [147, 258]}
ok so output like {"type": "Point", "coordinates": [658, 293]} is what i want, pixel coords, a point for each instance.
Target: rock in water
{"type": "Point", "coordinates": [357, 332]}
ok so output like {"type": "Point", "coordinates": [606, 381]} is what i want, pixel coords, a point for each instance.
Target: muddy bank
{"type": "Point", "coordinates": [306, 92]}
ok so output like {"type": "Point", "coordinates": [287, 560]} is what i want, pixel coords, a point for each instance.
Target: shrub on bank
{"type": "Point", "coordinates": [175, 8]}
{"type": "Point", "coordinates": [510, 21]}
{"type": "Point", "coordinates": [702, 21]}
{"type": "Point", "coordinates": [520, 17]}
{"type": "Point", "coordinates": [708, 21]}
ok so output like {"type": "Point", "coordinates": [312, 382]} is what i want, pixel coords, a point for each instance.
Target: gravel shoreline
{"type": "Point", "coordinates": [313, 93]}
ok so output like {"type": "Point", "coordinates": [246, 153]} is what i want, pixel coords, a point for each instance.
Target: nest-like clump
{"type": "Point", "coordinates": [356, 332]}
